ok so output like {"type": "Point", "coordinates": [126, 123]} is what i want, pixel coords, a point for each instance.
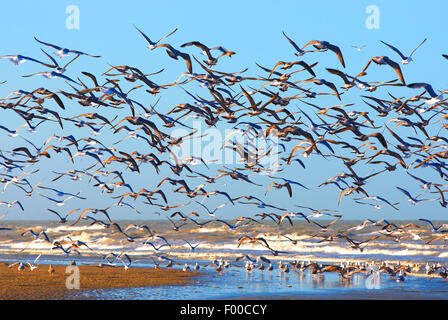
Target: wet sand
{"type": "Point", "coordinates": [39, 284]}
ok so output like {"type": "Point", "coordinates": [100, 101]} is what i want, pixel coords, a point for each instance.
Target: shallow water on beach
{"type": "Point", "coordinates": [240, 284]}
{"type": "Point", "coordinates": [237, 283]}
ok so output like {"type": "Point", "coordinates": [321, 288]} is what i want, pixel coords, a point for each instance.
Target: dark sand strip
{"type": "Point", "coordinates": [41, 285]}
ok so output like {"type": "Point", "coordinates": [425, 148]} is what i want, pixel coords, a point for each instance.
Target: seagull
{"type": "Point", "coordinates": [193, 247]}
{"type": "Point", "coordinates": [59, 203]}
{"type": "Point", "coordinates": [325, 45]}
{"type": "Point", "coordinates": [299, 52]}
{"type": "Point", "coordinates": [125, 260]}
{"type": "Point", "coordinates": [211, 212]}
{"type": "Point", "coordinates": [287, 183]}
{"type": "Point", "coordinates": [196, 267]}
{"type": "Point", "coordinates": [152, 45]}
{"type": "Point", "coordinates": [33, 265]}
{"type": "Point", "coordinates": [156, 248]}
{"type": "Point", "coordinates": [19, 59]}
{"type": "Point", "coordinates": [378, 198]}
{"type": "Point", "coordinates": [60, 193]}
{"type": "Point", "coordinates": [186, 268]}
{"type": "Point", "coordinates": [56, 66]}
{"type": "Point", "coordinates": [61, 218]}
{"type": "Point", "coordinates": [400, 277]}
{"type": "Point", "coordinates": [249, 266]}
{"type": "Point", "coordinates": [383, 60]}
{"type": "Point", "coordinates": [363, 225]}
{"type": "Point", "coordinates": [325, 228]}
{"type": "Point", "coordinates": [11, 133]}
{"type": "Point", "coordinates": [205, 50]}
{"type": "Point", "coordinates": [404, 59]}
{"type": "Point", "coordinates": [37, 235]}
{"type": "Point", "coordinates": [425, 185]}
{"type": "Point", "coordinates": [176, 227]}
{"type": "Point", "coordinates": [411, 199]}
{"type": "Point", "coordinates": [21, 267]}
{"type": "Point", "coordinates": [63, 52]}
{"type": "Point", "coordinates": [141, 227]}
{"type": "Point", "coordinates": [358, 48]}
{"type": "Point", "coordinates": [231, 227]}
{"type": "Point", "coordinates": [434, 229]}
{"type": "Point", "coordinates": [51, 75]}
{"type": "Point", "coordinates": [435, 98]}
{"type": "Point", "coordinates": [175, 54]}
{"type": "Point", "coordinates": [10, 204]}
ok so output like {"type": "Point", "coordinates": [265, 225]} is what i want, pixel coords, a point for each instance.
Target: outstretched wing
{"type": "Point", "coordinates": [395, 49]}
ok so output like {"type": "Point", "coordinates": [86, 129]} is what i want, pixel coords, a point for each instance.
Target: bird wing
{"type": "Point", "coordinates": [427, 221]}
{"type": "Point", "coordinates": [144, 36]}
{"type": "Point", "coordinates": [20, 205]}
{"type": "Point", "coordinates": [395, 49]}
{"type": "Point", "coordinates": [396, 68]}
{"type": "Point", "coordinates": [292, 43]}
{"type": "Point", "coordinates": [187, 59]}
{"type": "Point", "coordinates": [425, 86]}
{"type": "Point", "coordinates": [367, 65]}
{"type": "Point", "coordinates": [405, 192]}
{"type": "Point", "coordinates": [288, 186]}
{"type": "Point", "coordinates": [276, 65]}
{"type": "Point", "coordinates": [270, 185]}
{"type": "Point", "coordinates": [307, 67]}
{"type": "Point", "coordinates": [380, 138]}
{"type": "Point", "coordinates": [48, 44]}
{"type": "Point", "coordinates": [309, 43]}
{"type": "Point", "coordinates": [338, 52]}
{"type": "Point", "coordinates": [333, 88]}
{"type": "Point", "coordinates": [285, 216]}
{"type": "Point", "coordinates": [345, 191]}
{"type": "Point", "coordinates": [418, 47]}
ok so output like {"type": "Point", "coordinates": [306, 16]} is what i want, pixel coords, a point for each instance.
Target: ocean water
{"type": "Point", "coordinates": [238, 283]}
{"type": "Point", "coordinates": [306, 241]}
{"type": "Point", "coordinates": [216, 241]}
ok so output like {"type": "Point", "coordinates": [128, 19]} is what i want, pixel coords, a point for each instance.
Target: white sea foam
{"type": "Point", "coordinates": [218, 241]}
{"type": "Point", "coordinates": [68, 228]}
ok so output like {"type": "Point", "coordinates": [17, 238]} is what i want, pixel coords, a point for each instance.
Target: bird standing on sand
{"type": "Point", "coordinates": [400, 277]}
{"type": "Point", "coordinates": [196, 267]}
{"type": "Point", "coordinates": [20, 267]}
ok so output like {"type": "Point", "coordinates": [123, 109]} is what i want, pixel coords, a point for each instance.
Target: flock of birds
{"type": "Point", "coordinates": [275, 104]}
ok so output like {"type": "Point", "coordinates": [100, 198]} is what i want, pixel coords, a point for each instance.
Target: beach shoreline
{"type": "Point", "coordinates": [39, 284]}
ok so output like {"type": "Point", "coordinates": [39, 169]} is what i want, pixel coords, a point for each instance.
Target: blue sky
{"type": "Point", "coordinates": [254, 30]}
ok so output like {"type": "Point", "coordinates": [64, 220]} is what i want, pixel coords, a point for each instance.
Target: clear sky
{"type": "Point", "coordinates": [254, 30]}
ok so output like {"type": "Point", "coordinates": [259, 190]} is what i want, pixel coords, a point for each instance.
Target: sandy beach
{"type": "Point", "coordinates": [40, 285]}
